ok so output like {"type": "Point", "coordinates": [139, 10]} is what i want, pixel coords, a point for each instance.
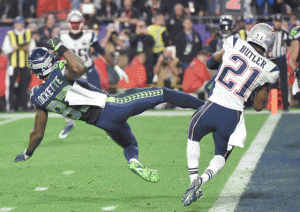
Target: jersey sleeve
{"type": "Point", "coordinates": [34, 95]}
{"type": "Point", "coordinates": [273, 75]}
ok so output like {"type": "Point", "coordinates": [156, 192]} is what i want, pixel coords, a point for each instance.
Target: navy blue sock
{"type": "Point", "coordinates": [181, 99]}
{"type": "Point", "coordinates": [131, 152]}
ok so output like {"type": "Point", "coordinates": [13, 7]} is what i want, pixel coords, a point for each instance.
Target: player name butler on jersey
{"type": "Point", "coordinates": [243, 69]}
{"type": "Point", "coordinates": [80, 46]}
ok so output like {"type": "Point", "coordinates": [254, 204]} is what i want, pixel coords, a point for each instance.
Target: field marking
{"type": "Point", "coordinates": [41, 188]}
{"type": "Point", "coordinates": [146, 113]}
{"type": "Point", "coordinates": [68, 172]}
{"type": "Point", "coordinates": [6, 209]}
{"type": "Point", "coordinates": [8, 121]}
{"type": "Point", "coordinates": [235, 186]}
{"type": "Point", "coordinates": [109, 208]}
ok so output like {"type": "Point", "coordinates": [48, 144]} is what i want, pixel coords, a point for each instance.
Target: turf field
{"type": "Point", "coordinates": [87, 170]}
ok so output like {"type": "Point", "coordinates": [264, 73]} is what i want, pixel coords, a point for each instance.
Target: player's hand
{"type": "Point", "coordinates": [54, 43]}
{"type": "Point", "coordinates": [22, 157]}
{"type": "Point", "coordinates": [122, 74]}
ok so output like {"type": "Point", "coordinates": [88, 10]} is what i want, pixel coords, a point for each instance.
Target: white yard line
{"type": "Point", "coordinates": [68, 172]}
{"type": "Point", "coordinates": [6, 209]}
{"type": "Point", "coordinates": [8, 121]}
{"type": "Point", "coordinates": [146, 113]}
{"type": "Point", "coordinates": [41, 188]}
{"type": "Point", "coordinates": [109, 208]}
{"type": "Point", "coordinates": [235, 186]}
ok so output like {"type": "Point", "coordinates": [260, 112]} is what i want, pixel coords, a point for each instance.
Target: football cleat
{"type": "Point", "coordinates": [143, 172]}
{"type": "Point", "coordinates": [65, 132]}
{"type": "Point", "coordinates": [193, 193]}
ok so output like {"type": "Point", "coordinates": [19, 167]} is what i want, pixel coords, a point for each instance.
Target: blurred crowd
{"type": "Point", "coordinates": [154, 41]}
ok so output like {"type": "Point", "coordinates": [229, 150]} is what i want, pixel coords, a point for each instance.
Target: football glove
{"type": "Point", "coordinates": [22, 157]}
{"type": "Point", "coordinates": [54, 43]}
{"type": "Point", "coordinates": [121, 73]}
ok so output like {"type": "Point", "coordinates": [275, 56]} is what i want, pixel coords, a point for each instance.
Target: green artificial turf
{"type": "Point", "coordinates": [100, 177]}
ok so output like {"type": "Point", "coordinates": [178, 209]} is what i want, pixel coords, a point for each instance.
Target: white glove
{"type": "Point", "coordinates": [155, 79]}
{"type": "Point", "coordinates": [121, 73]}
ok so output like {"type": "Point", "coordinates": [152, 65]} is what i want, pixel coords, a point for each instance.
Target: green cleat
{"type": "Point", "coordinates": [142, 171]}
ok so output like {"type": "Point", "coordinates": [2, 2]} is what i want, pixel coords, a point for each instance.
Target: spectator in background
{"type": "Point", "coordinates": [60, 7]}
{"type": "Point", "coordinates": [151, 9]}
{"type": "Point", "coordinates": [264, 7]}
{"type": "Point", "coordinates": [46, 30]}
{"type": "Point", "coordinates": [166, 70]}
{"type": "Point", "coordinates": [112, 45]}
{"type": "Point", "coordinates": [3, 68]}
{"type": "Point", "coordinates": [249, 23]}
{"type": "Point", "coordinates": [9, 9]}
{"type": "Point", "coordinates": [88, 10]}
{"type": "Point", "coordinates": [136, 73]}
{"type": "Point", "coordinates": [128, 16]}
{"type": "Point", "coordinates": [160, 35]}
{"type": "Point", "coordinates": [188, 43]}
{"type": "Point", "coordinates": [224, 31]}
{"type": "Point", "coordinates": [195, 7]}
{"type": "Point", "coordinates": [174, 23]}
{"type": "Point", "coordinates": [107, 10]}
{"type": "Point", "coordinates": [29, 10]}
{"type": "Point", "coordinates": [278, 56]}
{"type": "Point", "coordinates": [240, 25]}
{"type": "Point", "coordinates": [17, 43]}
{"type": "Point", "coordinates": [33, 28]}
{"type": "Point", "coordinates": [196, 75]}
{"type": "Point", "coordinates": [141, 42]}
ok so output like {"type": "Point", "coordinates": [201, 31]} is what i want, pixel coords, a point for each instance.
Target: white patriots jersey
{"type": "Point", "coordinates": [242, 70]}
{"type": "Point", "coordinates": [81, 46]}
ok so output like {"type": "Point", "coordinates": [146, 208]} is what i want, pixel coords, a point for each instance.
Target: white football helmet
{"type": "Point", "coordinates": [75, 22]}
{"type": "Point", "coordinates": [263, 35]}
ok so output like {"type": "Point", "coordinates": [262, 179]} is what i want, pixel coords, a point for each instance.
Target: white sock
{"type": "Point", "coordinates": [193, 156]}
{"type": "Point", "coordinates": [69, 121]}
{"type": "Point", "coordinates": [215, 165]}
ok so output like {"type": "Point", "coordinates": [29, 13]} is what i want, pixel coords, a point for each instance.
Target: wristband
{"type": "Point", "coordinates": [62, 49]}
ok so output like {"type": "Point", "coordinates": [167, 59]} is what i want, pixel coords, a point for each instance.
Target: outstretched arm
{"type": "Point", "coordinates": [75, 66]}
{"type": "Point", "coordinates": [36, 136]}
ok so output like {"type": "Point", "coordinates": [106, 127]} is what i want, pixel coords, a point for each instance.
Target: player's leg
{"type": "Point", "coordinates": [222, 121]}
{"type": "Point", "coordinates": [70, 124]}
{"type": "Point", "coordinates": [200, 125]}
{"type": "Point", "coordinates": [127, 141]}
{"type": "Point", "coordinates": [137, 100]}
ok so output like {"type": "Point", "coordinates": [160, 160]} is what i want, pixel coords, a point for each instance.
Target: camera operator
{"type": "Point", "coordinates": [166, 71]}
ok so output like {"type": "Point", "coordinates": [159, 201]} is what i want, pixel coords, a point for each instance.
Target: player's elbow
{"type": "Point", "coordinates": [80, 68]}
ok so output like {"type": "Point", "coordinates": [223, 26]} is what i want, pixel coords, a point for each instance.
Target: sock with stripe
{"type": "Point", "coordinates": [215, 165]}
{"type": "Point", "coordinates": [193, 156]}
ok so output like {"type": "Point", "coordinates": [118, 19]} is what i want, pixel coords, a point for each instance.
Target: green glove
{"type": "Point", "coordinates": [54, 43]}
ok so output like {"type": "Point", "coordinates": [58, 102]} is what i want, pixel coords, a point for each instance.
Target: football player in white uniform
{"type": "Point", "coordinates": [244, 69]}
{"type": "Point", "coordinates": [80, 42]}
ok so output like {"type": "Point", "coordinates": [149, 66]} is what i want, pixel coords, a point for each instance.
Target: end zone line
{"type": "Point", "coordinates": [235, 186]}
